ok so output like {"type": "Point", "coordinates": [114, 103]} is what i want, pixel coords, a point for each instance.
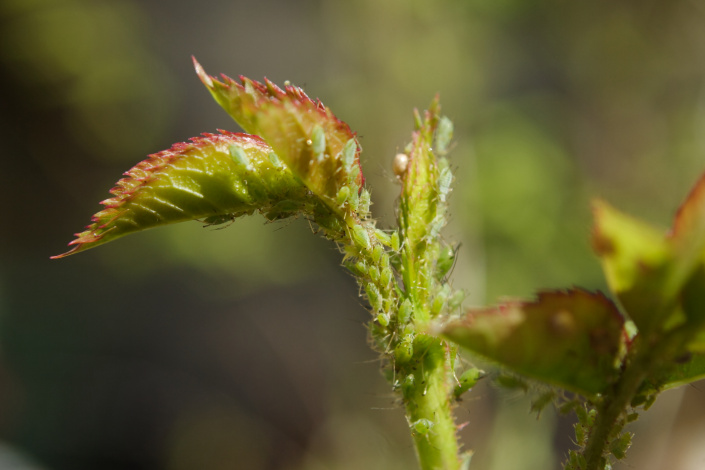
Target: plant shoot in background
{"type": "Point", "coordinates": [298, 160]}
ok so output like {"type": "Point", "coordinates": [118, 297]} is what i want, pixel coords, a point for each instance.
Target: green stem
{"type": "Point", "coordinates": [429, 408]}
{"type": "Point", "coordinates": [609, 411]}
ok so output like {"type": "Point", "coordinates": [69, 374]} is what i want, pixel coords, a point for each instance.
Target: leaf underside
{"type": "Point", "coordinates": [196, 180]}
{"type": "Point", "coordinates": [572, 338]}
{"type": "Point", "coordinates": [300, 159]}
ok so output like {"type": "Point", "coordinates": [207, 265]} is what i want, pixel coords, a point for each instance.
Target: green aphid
{"type": "Point", "coordinates": [385, 277]}
{"type": "Point", "coordinates": [619, 446]}
{"type": "Point", "coordinates": [383, 319]}
{"type": "Point", "coordinates": [404, 350]}
{"type": "Point", "coordinates": [436, 225]}
{"type": "Point", "coordinates": [422, 426]}
{"type": "Point", "coordinates": [456, 300]}
{"type": "Point", "coordinates": [353, 198]}
{"type": "Point", "coordinates": [360, 237]}
{"type": "Point", "coordinates": [240, 157]}
{"type": "Point", "coordinates": [218, 219]}
{"type": "Point", "coordinates": [275, 160]}
{"type": "Point", "coordinates": [349, 152]}
{"type": "Point", "coordinates": [405, 311]}
{"type": "Point", "coordinates": [388, 304]}
{"type": "Point", "coordinates": [394, 241]}
{"type": "Point", "coordinates": [285, 208]}
{"type": "Point", "coordinates": [543, 400]}
{"type": "Point", "coordinates": [576, 461]}
{"type": "Point", "coordinates": [374, 273]}
{"type": "Point", "coordinates": [444, 134]}
{"type": "Point", "coordinates": [580, 434]}
{"type": "Point", "coordinates": [445, 261]}
{"type": "Point", "coordinates": [377, 252]}
{"type": "Point", "coordinates": [318, 142]}
{"type": "Point", "coordinates": [343, 195]}
{"type": "Point", "coordinates": [439, 301]}
{"type": "Point", "coordinates": [512, 382]}
{"type": "Point", "coordinates": [467, 380]}
{"type": "Point", "coordinates": [374, 297]}
{"type": "Point", "coordinates": [384, 261]}
{"type": "Point", "coordinates": [443, 183]}
{"type": "Point", "coordinates": [359, 268]}
{"type": "Point", "coordinates": [363, 208]}
{"type": "Point", "coordinates": [383, 237]}
{"type": "Point", "coordinates": [591, 416]}
{"type": "Point", "coordinates": [407, 386]}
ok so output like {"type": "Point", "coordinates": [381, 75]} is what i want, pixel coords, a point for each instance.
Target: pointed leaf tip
{"type": "Point", "coordinates": [201, 179]}
{"type": "Point", "coordinates": [207, 81]}
{"type": "Point", "coordinates": [287, 119]}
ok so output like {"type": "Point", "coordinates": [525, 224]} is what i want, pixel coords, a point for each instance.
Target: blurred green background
{"type": "Point", "coordinates": [189, 348]}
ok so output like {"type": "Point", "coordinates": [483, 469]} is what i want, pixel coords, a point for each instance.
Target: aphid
{"type": "Point", "coordinates": [349, 152]}
{"type": "Point", "coordinates": [374, 297]}
{"type": "Point", "coordinates": [542, 401]}
{"type": "Point", "coordinates": [436, 226]}
{"type": "Point", "coordinates": [456, 300]}
{"type": "Point", "coordinates": [394, 241]}
{"type": "Point", "coordinates": [400, 164]}
{"type": "Point", "coordinates": [377, 252]}
{"type": "Point", "coordinates": [404, 351]}
{"type": "Point", "coordinates": [422, 426]}
{"type": "Point", "coordinates": [445, 261]}
{"type": "Point", "coordinates": [359, 268]}
{"type": "Point", "coordinates": [467, 380]}
{"type": "Point", "coordinates": [444, 134]}
{"type": "Point", "coordinates": [383, 237]}
{"type": "Point", "coordinates": [343, 195]}
{"type": "Point", "coordinates": [405, 310]}
{"type": "Point", "coordinates": [239, 156]}
{"type": "Point", "coordinates": [383, 319]}
{"type": "Point", "coordinates": [444, 180]}
{"type": "Point", "coordinates": [385, 277]}
{"type": "Point", "coordinates": [219, 220]}
{"type": "Point", "coordinates": [318, 142]}
{"type": "Point", "coordinates": [439, 300]}
{"type": "Point", "coordinates": [364, 205]}
{"type": "Point", "coordinates": [360, 237]}
{"type": "Point", "coordinates": [374, 273]}
{"type": "Point", "coordinates": [407, 386]}
{"type": "Point", "coordinates": [275, 160]}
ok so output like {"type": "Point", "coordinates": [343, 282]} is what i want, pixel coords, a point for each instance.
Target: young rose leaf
{"type": "Point", "coordinates": [574, 339]}
{"type": "Point", "coordinates": [212, 177]}
{"type": "Point", "coordinates": [635, 258]}
{"type": "Point", "coordinates": [688, 233]}
{"type": "Point", "coordinates": [693, 305]}
{"type": "Point", "coordinates": [687, 237]}
{"type": "Point", "coordinates": [651, 273]}
{"type": "Point", "coordinates": [419, 195]}
{"type": "Point", "coordinates": [426, 182]}
{"type": "Point", "coordinates": [687, 369]}
{"type": "Point", "coordinates": [318, 147]}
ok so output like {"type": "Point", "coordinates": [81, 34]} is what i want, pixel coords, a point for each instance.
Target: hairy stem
{"type": "Point", "coordinates": [429, 408]}
{"type": "Point", "coordinates": [647, 356]}
{"type": "Point", "coordinates": [609, 411]}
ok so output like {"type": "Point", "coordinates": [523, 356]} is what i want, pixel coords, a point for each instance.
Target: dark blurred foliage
{"type": "Point", "coordinates": [190, 348]}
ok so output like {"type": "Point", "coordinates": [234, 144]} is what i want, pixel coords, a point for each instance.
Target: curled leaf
{"type": "Point", "coordinates": [213, 177]}
{"type": "Point", "coordinates": [687, 369]}
{"type": "Point", "coordinates": [572, 338]}
{"type": "Point", "coordinates": [635, 258]}
{"type": "Point", "coordinates": [318, 147]}
{"type": "Point", "coordinates": [651, 272]}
